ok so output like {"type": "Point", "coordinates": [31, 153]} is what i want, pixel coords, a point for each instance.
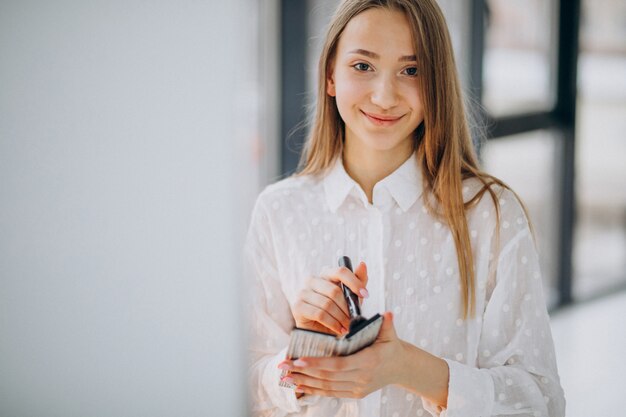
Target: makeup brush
{"type": "Point", "coordinates": [357, 321]}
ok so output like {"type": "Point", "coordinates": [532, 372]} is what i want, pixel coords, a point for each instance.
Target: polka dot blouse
{"type": "Point", "coordinates": [501, 362]}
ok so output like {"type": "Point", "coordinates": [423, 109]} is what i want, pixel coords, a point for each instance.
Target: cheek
{"type": "Point", "coordinates": [414, 100]}
{"type": "Point", "coordinates": [410, 91]}
{"type": "Point", "coordinates": [419, 109]}
{"type": "Point", "coordinates": [350, 91]}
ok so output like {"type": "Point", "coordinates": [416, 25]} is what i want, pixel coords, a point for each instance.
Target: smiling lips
{"type": "Point", "coordinates": [379, 120]}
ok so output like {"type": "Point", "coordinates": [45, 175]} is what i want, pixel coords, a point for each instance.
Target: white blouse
{"type": "Point", "coordinates": [501, 362]}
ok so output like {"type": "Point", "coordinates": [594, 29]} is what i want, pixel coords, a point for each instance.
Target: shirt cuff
{"type": "Point", "coordinates": [283, 398]}
{"type": "Point", "coordinates": [470, 393]}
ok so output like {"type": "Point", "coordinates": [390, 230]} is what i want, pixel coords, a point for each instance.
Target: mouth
{"type": "Point", "coordinates": [380, 120]}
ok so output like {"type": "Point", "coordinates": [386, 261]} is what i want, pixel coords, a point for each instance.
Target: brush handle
{"type": "Point", "coordinates": [351, 298]}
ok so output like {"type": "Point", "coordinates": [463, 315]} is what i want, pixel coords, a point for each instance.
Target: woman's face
{"type": "Point", "coordinates": [374, 81]}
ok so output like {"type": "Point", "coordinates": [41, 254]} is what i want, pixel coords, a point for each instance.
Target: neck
{"type": "Point", "coordinates": [368, 166]}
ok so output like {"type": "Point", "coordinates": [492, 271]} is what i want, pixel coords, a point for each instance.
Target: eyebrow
{"type": "Point", "coordinates": [374, 55]}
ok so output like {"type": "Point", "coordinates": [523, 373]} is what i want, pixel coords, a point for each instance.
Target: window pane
{"type": "Point", "coordinates": [526, 163]}
{"type": "Point", "coordinates": [518, 61]}
{"type": "Point", "coordinates": [600, 240]}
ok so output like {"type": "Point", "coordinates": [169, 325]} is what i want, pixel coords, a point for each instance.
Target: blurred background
{"type": "Point", "coordinates": [134, 137]}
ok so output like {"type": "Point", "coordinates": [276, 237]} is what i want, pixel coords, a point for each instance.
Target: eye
{"type": "Point", "coordinates": [361, 67]}
{"type": "Point", "coordinates": [411, 71]}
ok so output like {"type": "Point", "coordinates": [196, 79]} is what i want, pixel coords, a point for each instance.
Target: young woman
{"type": "Point", "coordinates": [389, 177]}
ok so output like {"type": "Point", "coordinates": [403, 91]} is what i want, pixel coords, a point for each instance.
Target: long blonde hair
{"type": "Point", "coordinates": [443, 141]}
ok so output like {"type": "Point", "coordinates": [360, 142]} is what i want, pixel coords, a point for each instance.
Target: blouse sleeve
{"type": "Point", "coordinates": [270, 322]}
{"type": "Point", "coordinates": [516, 372]}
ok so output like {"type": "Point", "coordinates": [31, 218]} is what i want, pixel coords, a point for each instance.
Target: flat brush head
{"type": "Point", "coordinates": [356, 324]}
{"type": "Point", "coordinates": [361, 324]}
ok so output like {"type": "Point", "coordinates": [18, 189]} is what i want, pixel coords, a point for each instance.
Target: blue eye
{"type": "Point", "coordinates": [361, 66]}
{"type": "Point", "coordinates": [411, 71]}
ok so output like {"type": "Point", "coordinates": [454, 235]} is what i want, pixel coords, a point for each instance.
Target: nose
{"type": "Point", "coordinates": [384, 94]}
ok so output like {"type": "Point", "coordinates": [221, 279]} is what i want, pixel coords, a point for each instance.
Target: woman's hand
{"type": "Point", "coordinates": [321, 305]}
{"type": "Point", "coordinates": [353, 376]}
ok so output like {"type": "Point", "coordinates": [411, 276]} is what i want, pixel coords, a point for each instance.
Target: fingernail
{"type": "Point", "coordinates": [288, 380]}
{"type": "Point", "coordinates": [343, 330]}
{"type": "Point", "coordinates": [364, 293]}
{"type": "Point", "coordinates": [300, 363]}
{"type": "Point", "coordinates": [284, 366]}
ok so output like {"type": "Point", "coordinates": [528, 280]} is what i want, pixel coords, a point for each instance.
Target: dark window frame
{"type": "Point", "coordinates": [561, 119]}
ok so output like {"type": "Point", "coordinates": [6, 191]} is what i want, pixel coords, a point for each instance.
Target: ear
{"type": "Point", "coordinates": [330, 81]}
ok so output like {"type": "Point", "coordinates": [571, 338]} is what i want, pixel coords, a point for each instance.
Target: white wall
{"type": "Point", "coordinates": [120, 214]}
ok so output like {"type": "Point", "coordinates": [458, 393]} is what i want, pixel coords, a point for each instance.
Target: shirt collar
{"type": "Point", "coordinates": [338, 184]}
{"type": "Point", "coordinates": [404, 184]}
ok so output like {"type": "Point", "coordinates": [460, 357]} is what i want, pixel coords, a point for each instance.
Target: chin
{"type": "Point", "coordinates": [383, 143]}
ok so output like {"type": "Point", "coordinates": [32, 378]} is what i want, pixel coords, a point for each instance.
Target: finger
{"type": "Point", "coordinates": [314, 313]}
{"type": "Point", "coordinates": [340, 376]}
{"type": "Point", "coordinates": [329, 306]}
{"type": "Point", "coordinates": [332, 291]}
{"type": "Point", "coordinates": [296, 367]}
{"type": "Point", "coordinates": [320, 383]}
{"type": "Point", "coordinates": [315, 391]}
{"type": "Point", "coordinates": [346, 276]}
{"type": "Point", "coordinates": [387, 330]}
{"type": "Point", "coordinates": [334, 364]}
{"type": "Point", "coordinates": [361, 273]}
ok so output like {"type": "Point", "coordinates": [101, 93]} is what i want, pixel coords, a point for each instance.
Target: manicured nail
{"type": "Point", "coordinates": [364, 293]}
{"type": "Point", "coordinates": [299, 390]}
{"type": "Point", "coordinates": [343, 330]}
{"type": "Point", "coordinates": [300, 363]}
{"type": "Point", "coordinates": [288, 380]}
{"type": "Point", "coordinates": [284, 366]}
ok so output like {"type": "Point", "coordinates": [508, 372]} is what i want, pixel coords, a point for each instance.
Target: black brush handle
{"type": "Point", "coordinates": [351, 298]}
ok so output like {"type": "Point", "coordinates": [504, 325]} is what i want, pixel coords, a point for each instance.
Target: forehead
{"type": "Point", "coordinates": [383, 31]}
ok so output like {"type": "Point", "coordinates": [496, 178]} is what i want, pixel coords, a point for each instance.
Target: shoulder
{"type": "Point", "coordinates": [287, 192]}
{"type": "Point", "coordinates": [496, 205]}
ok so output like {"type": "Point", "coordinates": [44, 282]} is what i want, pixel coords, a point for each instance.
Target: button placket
{"type": "Point", "coordinates": [384, 246]}
{"type": "Point", "coordinates": [375, 266]}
